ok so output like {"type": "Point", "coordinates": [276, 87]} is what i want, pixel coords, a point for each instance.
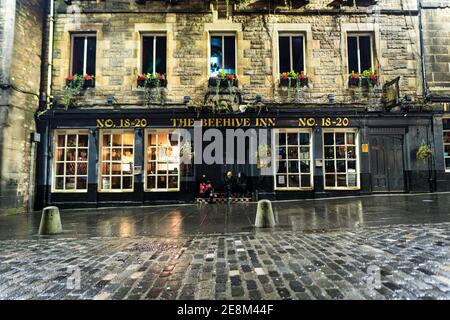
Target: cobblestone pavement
{"type": "Point", "coordinates": [413, 261]}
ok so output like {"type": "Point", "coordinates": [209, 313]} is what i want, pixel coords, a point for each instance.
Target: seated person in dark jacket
{"type": "Point", "coordinates": [229, 183]}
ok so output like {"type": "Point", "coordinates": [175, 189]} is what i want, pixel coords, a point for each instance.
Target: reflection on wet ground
{"type": "Point", "coordinates": [174, 221]}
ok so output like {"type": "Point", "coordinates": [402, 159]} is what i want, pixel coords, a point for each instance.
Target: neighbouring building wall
{"type": "Point", "coordinates": [118, 26]}
{"type": "Point", "coordinates": [20, 57]}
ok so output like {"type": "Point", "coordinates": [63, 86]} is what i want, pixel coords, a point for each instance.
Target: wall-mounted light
{"type": "Point", "coordinates": [258, 99]}
{"type": "Point", "coordinates": [186, 99]}
{"type": "Point", "coordinates": [110, 100]}
{"type": "Point", "coordinates": [330, 98]}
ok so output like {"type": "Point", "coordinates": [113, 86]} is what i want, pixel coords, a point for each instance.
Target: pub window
{"type": "Point", "coordinates": [83, 54]}
{"type": "Point", "coordinates": [116, 160]}
{"type": "Point", "coordinates": [154, 54]}
{"type": "Point", "coordinates": [341, 159]}
{"type": "Point", "coordinates": [223, 54]}
{"type": "Point", "coordinates": [291, 53]}
{"type": "Point", "coordinates": [293, 158]}
{"type": "Point", "coordinates": [162, 161]}
{"type": "Point", "coordinates": [446, 126]}
{"type": "Point", "coordinates": [70, 161]}
{"type": "Point", "coordinates": [360, 55]}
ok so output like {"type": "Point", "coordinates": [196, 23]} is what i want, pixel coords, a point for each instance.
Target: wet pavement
{"type": "Point", "coordinates": [384, 247]}
{"type": "Point", "coordinates": [174, 221]}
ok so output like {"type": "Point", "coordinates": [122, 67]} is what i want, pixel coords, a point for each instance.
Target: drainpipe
{"type": "Point", "coordinates": [51, 20]}
{"type": "Point", "coordinates": [422, 50]}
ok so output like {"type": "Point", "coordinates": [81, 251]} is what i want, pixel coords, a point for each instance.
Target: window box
{"type": "Point", "coordinates": [223, 83]}
{"type": "Point", "coordinates": [353, 82]}
{"type": "Point", "coordinates": [292, 82]}
{"type": "Point", "coordinates": [152, 83]}
{"type": "Point", "coordinates": [367, 82]}
{"type": "Point", "coordinates": [85, 82]}
{"type": "Point", "coordinates": [89, 83]}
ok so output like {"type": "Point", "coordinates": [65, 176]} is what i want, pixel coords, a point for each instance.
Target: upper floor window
{"type": "Point", "coordinates": [291, 53]}
{"type": "Point", "coordinates": [223, 54]}
{"type": "Point", "coordinates": [360, 55]}
{"type": "Point", "coordinates": [83, 54]}
{"type": "Point", "coordinates": [154, 54]}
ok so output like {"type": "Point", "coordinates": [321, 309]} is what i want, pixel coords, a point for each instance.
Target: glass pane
{"type": "Point", "coordinates": [162, 168]}
{"type": "Point", "coordinates": [281, 138]}
{"type": "Point", "coordinates": [61, 141]}
{"type": "Point", "coordinates": [106, 183]}
{"type": "Point", "coordinates": [352, 182]}
{"type": "Point", "coordinates": [162, 182]}
{"type": "Point", "coordinates": [284, 54]}
{"type": "Point", "coordinates": [70, 183]}
{"type": "Point", "coordinates": [173, 139]}
{"type": "Point", "coordinates": [117, 140]}
{"type": "Point", "coordinates": [340, 152]}
{"type": "Point", "coordinates": [173, 182]}
{"type": "Point", "coordinates": [152, 139]}
{"type": "Point", "coordinates": [70, 156]}
{"type": "Point", "coordinates": [340, 138]}
{"type": "Point", "coordinates": [83, 140]}
{"type": "Point", "coordinates": [116, 168]}
{"type": "Point", "coordinates": [116, 154]}
{"type": "Point", "coordinates": [446, 124]}
{"type": "Point", "coordinates": [82, 155]}
{"type": "Point", "coordinates": [147, 54]}
{"type": "Point", "coordinates": [60, 153]}
{"type": "Point", "coordinates": [161, 55]}
{"type": "Point", "coordinates": [350, 138]}
{"type": "Point", "coordinates": [90, 63]}
{"type": "Point", "coordinates": [230, 54]}
{"type": "Point", "coordinates": [281, 181]}
{"type": "Point", "coordinates": [292, 138]}
{"type": "Point", "coordinates": [293, 152]}
{"type": "Point", "coordinates": [305, 166]}
{"type": "Point", "coordinates": [329, 153]}
{"type": "Point", "coordinates": [304, 138]}
{"type": "Point", "coordinates": [115, 183]}
{"type": "Point", "coordinates": [341, 180]}
{"type": "Point", "coordinates": [60, 169]}
{"type": "Point", "coordinates": [293, 166]}
{"type": "Point", "coordinates": [106, 168]}
{"type": "Point", "coordinates": [330, 180]}
{"type": "Point", "coordinates": [281, 167]}
{"type": "Point", "coordinates": [77, 55]}
{"type": "Point", "coordinates": [82, 169]}
{"type": "Point", "coordinates": [294, 181]}
{"type": "Point", "coordinates": [81, 183]}
{"type": "Point", "coordinates": [151, 182]}
{"type": "Point", "coordinates": [304, 153]}
{"type": "Point", "coordinates": [106, 154]}
{"type": "Point", "coordinates": [70, 168]}
{"type": "Point", "coordinates": [352, 52]}
{"type": "Point", "coordinates": [59, 183]}
{"type": "Point", "coordinates": [329, 166]}
{"type": "Point", "coordinates": [447, 137]}
{"type": "Point", "coordinates": [173, 168]}
{"type": "Point", "coordinates": [447, 163]}
{"type": "Point", "coordinates": [152, 154]}
{"type": "Point", "coordinates": [351, 152]}
{"type": "Point", "coordinates": [297, 54]}
{"type": "Point", "coordinates": [128, 139]}
{"type": "Point", "coordinates": [72, 140]}
{"type": "Point", "coordinates": [340, 164]}
{"type": "Point", "coordinates": [127, 183]}
{"type": "Point", "coordinates": [305, 181]}
{"type": "Point", "coordinates": [328, 139]}
{"type": "Point", "coordinates": [151, 168]}
{"type": "Point", "coordinates": [282, 153]}
{"type": "Point", "coordinates": [216, 55]}
{"type": "Point", "coordinates": [106, 140]}
{"type": "Point", "coordinates": [365, 52]}
{"type": "Point", "coordinates": [351, 166]}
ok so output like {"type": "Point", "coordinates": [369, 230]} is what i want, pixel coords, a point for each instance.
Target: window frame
{"type": "Point", "coordinates": [100, 162]}
{"type": "Point", "coordinates": [311, 159]}
{"type": "Point", "coordinates": [372, 50]}
{"type": "Point", "coordinates": [290, 35]}
{"type": "Point", "coordinates": [223, 34]}
{"type": "Point", "coordinates": [358, 157]}
{"type": "Point", "coordinates": [67, 132]}
{"type": "Point", "coordinates": [146, 162]}
{"type": "Point", "coordinates": [85, 35]}
{"type": "Point", "coordinates": [447, 170]}
{"type": "Point", "coordinates": [154, 35]}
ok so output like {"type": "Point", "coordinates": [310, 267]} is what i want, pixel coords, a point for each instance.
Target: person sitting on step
{"type": "Point", "coordinates": [206, 189]}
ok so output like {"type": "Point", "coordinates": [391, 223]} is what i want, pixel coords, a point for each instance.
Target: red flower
{"type": "Point", "coordinates": [284, 76]}
{"type": "Point", "coordinates": [142, 77]}
{"type": "Point", "coordinates": [71, 77]}
{"type": "Point", "coordinates": [355, 76]}
{"type": "Point", "coordinates": [230, 77]}
{"type": "Point", "coordinates": [160, 77]}
{"type": "Point", "coordinates": [301, 76]}
{"type": "Point", "coordinates": [87, 77]}
{"type": "Point", "coordinates": [373, 76]}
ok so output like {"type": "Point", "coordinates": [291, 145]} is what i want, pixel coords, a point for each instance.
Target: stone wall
{"type": "Point", "coordinates": [20, 102]}
{"type": "Point", "coordinates": [436, 37]}
{"type": "Point", "coordinates": [118, 25]}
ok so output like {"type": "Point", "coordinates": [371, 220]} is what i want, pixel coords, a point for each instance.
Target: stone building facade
{"type": "Point", "coordinates": [352, 136]}
{"type": "Point", "coordinates": [20, 75]}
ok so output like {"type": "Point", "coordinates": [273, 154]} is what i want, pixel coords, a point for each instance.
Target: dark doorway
{"type": "Point", "coordinates": [386, 163]}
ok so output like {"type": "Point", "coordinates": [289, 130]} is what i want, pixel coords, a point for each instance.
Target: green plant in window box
{"type": "Point", "coordinates": [369, 78]}
{"type": "Point", "coordinates": [73, 88]}
{"type": "Point", "coordinates": [223, 80]}
{"type": "Point", "coordinates": [353, 79]}
{"type": "Point", "coordinates": [424, 152]}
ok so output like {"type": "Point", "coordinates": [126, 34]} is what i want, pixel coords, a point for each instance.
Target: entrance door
{"type": "Point", "coordinates": [386, 163]}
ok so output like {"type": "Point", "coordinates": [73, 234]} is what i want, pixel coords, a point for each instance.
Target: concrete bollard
{"type": "Point", "coordinates": [264, 215]}
{"type": "Point", "coordinates": [50, 221]}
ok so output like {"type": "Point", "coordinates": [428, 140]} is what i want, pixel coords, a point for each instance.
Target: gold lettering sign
{"type": "Point", "coordinates": [323, 122]}
{"type": "Point", "coordinates": [223, 122]}
{"type": "Point", "coordinates": [121, 123]}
